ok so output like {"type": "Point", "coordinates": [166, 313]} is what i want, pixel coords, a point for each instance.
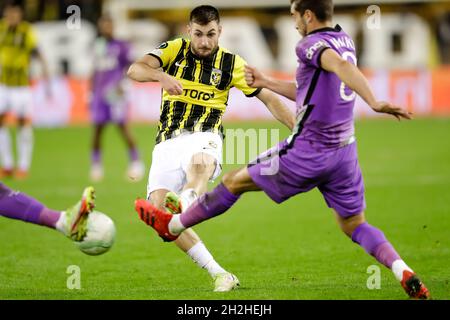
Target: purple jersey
{"type": "Point", "coordinates": [112, 57]}
{"type": "Point", "coordinates": [322, 150]}
{"type": "Point", "coordinates": [323, 100]}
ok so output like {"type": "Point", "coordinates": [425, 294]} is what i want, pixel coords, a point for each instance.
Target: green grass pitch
{"type": "Point", "coordinates": [289, 251]}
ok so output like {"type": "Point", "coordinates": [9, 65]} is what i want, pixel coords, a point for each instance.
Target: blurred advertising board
{"type": "Point", "coordinates": [425, 93]}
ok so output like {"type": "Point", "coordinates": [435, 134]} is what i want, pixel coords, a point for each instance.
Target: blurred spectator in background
{"type": "Point", "coordinates": [18, 45]}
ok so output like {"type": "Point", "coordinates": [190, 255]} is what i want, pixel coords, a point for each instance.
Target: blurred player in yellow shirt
{"type": "Point", "coordinates": [17, 47]}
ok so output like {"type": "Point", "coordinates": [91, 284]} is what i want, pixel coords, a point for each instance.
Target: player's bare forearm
{"type": "Point", "coordinates": [355, 80]}
{"type": "Point", "coordinates": [287, 89]}
{"type": "Point", "coordinates": [278, 109]}
{"type": "Point", "coordinates": [350, 74]}
{"type": "Point", "coordinates": [142, 72]}
{"type": "Point", "coordinates": [148, 69]}
{"type": "Point", "coordinates": [257, 79]}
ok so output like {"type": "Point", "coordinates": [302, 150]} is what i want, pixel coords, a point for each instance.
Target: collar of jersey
{"type": "Point", "coordinates": [337, 28]}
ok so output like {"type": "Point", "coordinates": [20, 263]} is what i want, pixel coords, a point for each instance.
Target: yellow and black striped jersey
{"type": "Point", "coordinates": [17, 44]}
{"type": "Point", "coordinates": [206, 86]}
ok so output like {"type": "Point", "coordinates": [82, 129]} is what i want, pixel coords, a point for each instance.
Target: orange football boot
{"type": "Point", "coordinates": [414, 287]}
{"type": "Point", "coordinates": [155, 218]}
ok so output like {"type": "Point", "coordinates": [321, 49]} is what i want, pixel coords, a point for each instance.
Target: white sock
{"type": "Point", "coordinates": [61, 223]}
{"type": "Point", "coordinates": [187, 197]}
{"type": "Point", "coordinates": [398, 266]}
{"type": "Point", "coordinates": [6, 157]}
{"type": "Point", "coordinates": [203, 258]}
{"type": "Point", "coordinates": [175, 225]}
{"type": "Point", "coordinates": [25, 147]}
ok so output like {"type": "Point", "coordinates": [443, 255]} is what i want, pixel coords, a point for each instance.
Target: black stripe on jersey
{"type": "Point", "coordinates": [179, 109]}
{"type": "Point", "coordinates": [212, 119]}
{"type": "Point", "coordinates": [319, 55]}
{"type": "Point", "coordinates": [312, 87]}
{"type": "Point", "coordinates": [207, 68]}
{"type": "Point", "coordinates": [227, 66]}
{"type": "Point", "coordinates": [163, 120]}
{"type": "Point", "coordinates": [180, 55]}
{"type": "Point", "coordinates": [196, 113]}
{"type": "Point", "coordinates": [185, 124]}
{"type": "Point", "coordinates": [189, 69]}
{"type": "Point", "coordinates": [309, 108]}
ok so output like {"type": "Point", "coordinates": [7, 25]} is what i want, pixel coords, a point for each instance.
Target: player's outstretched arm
{"type": "Point", "coordinates": [278, 109]}
{"type": "Point", "coordinates": [350, 74]}
{"type": "Point", "coordinates": [257, 79]}
{"type": "Point", "coordinates": [147, 69]}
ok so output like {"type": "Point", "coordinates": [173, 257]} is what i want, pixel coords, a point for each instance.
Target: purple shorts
{"type": "Point", "coordinates": [103, 112]}
{"type": "Point", "coordinates": [285, 171]}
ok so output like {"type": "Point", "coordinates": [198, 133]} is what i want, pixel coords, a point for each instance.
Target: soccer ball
{"type": "Point", "coordinates": [100, 234]}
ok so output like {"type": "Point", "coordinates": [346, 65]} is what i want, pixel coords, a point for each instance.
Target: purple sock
{"type": "Point", "coordinates": [96, 156]}
{"type": "Point", "coordinates": [17, 205]}
{"type": "Point", "coordinates": [133, 154]}
{"type": "Point", "coordinates": [375, 243]}
{"type": "Point", "coordinates": [209, 205]}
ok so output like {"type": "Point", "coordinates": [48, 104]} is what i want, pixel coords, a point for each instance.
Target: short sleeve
{"type": "Point", "coordinates": [167, 51]}
{"type": "Point", "coordinates": [309, 50]}
{"type": "Point", "coordinates": [239, 78]}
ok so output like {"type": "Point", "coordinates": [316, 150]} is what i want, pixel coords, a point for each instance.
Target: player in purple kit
{"type": "Point", "coordinates": [109, 101]}
{"type": "Point", "coordinates": [321, 152]}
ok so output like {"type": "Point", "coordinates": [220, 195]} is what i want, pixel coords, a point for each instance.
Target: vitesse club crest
{"type": "Point", "coordinates": [216, 76]}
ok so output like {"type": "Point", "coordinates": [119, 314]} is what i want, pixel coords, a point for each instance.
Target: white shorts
{"type": "Point", "coordinates": [16, 100]}
{"type": "Point", "coordinates": [171, 158]}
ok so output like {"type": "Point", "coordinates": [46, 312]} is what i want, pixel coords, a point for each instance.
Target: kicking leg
{"type": "Point", "coordinates": [375, 243]}
{"type": "Point", "coordinates": [209, 205]}
{"type": "Point", "coordinates": [215, 202]}
{"type": "Point", "coordinates": [200, 169]}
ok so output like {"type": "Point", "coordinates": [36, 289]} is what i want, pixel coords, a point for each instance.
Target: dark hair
{"type": "Point", "coordinates": [323, 9]}
{"type": "Point", "coordinates": [13, 4]}
{"type": "Point", "coordinates": [204, 15]}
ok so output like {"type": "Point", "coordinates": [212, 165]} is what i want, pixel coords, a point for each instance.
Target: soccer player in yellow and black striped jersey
{"type": "Point", "coordinates": [196, 76]}
{"type": "Point", "coordinates": [17, 47]}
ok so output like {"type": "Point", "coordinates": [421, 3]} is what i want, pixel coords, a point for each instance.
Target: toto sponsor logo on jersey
{"type": "Point", "coordinates": [198, 95]}
{"type": "Point", "coordinates": [311, 50]}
